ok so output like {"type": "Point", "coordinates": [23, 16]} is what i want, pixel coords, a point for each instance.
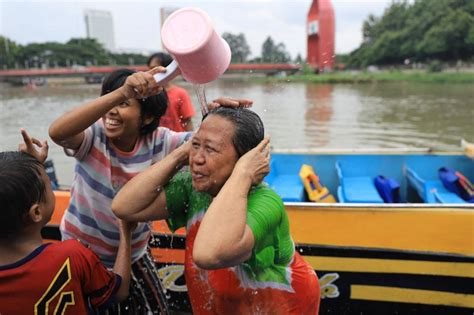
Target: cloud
{"type": "Point", "coordinates": [137, 23]}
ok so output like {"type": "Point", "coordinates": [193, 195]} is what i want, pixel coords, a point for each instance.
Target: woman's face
{"type": "Point", "coordinates": [213, 156]}
{"type": "Point", "coordinates": [155, 62]}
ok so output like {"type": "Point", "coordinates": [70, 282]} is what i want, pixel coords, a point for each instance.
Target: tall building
{"type": "Point", "coordinates": [164, 13]}
{"type": "Point", "coordinates": [100, 25]}
{"type": "Point", "coordinates": [320, 34]}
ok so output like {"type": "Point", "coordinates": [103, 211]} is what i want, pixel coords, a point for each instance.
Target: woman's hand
{"type": "Point", "coordinates": [230, 102]}
{"type": "Point", "coordinates": [30, 144]}
{"type": "Point", "coordinates": [142, 84]}
{"type": "Point", "coordinates": [182, 153]}
{"type": "Point", "coordinates": [256, 162]}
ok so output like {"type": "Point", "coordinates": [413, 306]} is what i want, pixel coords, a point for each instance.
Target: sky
{"type": "Point", "coordinates": [137, 23]}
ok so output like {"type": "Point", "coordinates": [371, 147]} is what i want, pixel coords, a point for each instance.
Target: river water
{"type": "Point", "coordinates": [296, 115]}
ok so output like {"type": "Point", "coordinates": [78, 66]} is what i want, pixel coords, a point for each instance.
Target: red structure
{"type": "Point", "coordinates": [321, 33]}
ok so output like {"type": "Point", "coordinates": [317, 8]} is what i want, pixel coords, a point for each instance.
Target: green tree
{"type": "Point", "coordinates": [9, 50]}
{"type": "Point", "coordinates": [449, 39]}
{"type": "Point", "coordinates": [238, 46]}
{"type": "Point", "coordinates": [274, 53]}
{"type": "Point", "coordinates": [420, 30]}
{"type": "Point", "coordinates": [299, 59]}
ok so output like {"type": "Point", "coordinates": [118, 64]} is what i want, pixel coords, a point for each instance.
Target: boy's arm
{"type": "Point", "coordinates": [122, 265]}
{"type": "Point", "coordinates": [68, 129]}
{"type": "Point", "coordinates": [29, 146]}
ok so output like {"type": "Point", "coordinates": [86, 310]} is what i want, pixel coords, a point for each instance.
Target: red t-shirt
{"type": "Point", "coordinates": [179, 108]}
{"type": "Point", "coordinates": [56, 278]}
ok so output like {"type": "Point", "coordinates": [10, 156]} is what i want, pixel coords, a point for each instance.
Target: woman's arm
{"type": "Point", "coordinates": [224, 239]}
{"type": "Point", "coordinates": [143, 197]}
{"type": "Point", "coordinates": [68, 130]}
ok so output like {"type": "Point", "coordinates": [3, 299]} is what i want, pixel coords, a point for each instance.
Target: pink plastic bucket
{"type": "Point", "coordinates": [189, 36]}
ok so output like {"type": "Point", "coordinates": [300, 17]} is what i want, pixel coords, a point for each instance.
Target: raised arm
{"type": "Point", "coordinates": [224, 239]}
{"type": "Point", "coordinates": [68, 130]}
{"type": "Point", "coordinates": [143, 197]}
{"type": "Point", "coordinates": [34, 147]}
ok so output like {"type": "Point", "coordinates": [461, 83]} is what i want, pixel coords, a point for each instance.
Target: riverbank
{"type": "Point", "coordinates": [370, 77]}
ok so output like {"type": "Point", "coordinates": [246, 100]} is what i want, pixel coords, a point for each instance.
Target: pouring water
{"type": "Point", "coordinates": [201, 95]}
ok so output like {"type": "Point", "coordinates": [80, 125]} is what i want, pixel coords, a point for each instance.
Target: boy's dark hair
{"type": "Point", "coordinates": [21, 186]}
{"type": "Point", "coordinates": [163, 58]}
{"type": "Point", "coordinates": [249, 130]}
{"type": "Point", "coordinates": [154, 106]}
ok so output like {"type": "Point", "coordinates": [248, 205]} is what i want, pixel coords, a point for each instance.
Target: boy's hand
{"type": "Point", "coordinates": [230, 102]}
{"type": "Point", "coordinates": [142, 84]}
{"type": "Point", "coordinates": [29, 147]}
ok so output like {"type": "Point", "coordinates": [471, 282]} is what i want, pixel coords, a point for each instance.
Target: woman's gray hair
{"type": "Point", "coordinates": [249, 130]}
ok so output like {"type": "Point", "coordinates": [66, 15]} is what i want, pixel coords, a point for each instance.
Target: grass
{"type": "Point", "coordinates": [386, 76]}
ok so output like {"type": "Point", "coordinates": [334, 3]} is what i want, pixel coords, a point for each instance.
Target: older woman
{"type": "Point", "coordinates": [240, 258]}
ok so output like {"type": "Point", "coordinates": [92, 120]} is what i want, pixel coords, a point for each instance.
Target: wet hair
{"type": "Point", "coordinates": [154, 106]}
{"type": "Point", "coordinates": [21, 186]}
{"type": "Point", "coordinates": [164, 59]}
{"type": "Point", "coordinates": [249, 130]}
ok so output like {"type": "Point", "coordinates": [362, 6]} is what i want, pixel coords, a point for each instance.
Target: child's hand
{"type": "Point", "coordinates": [29, 147]}
{"type": "Point", "coordinates": [142, 84]}
{"type": "Point", "coordinates": [230, 102]}
{"type": "Point", "coordinates": [126, 227]}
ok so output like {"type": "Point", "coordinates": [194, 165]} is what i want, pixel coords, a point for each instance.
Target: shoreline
{"type": "Point", "coordinates": [464, 77]}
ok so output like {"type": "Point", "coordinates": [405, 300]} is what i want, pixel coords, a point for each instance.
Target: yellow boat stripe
{"type": "Point", "coordinates": [375, 265]}
{"type": "Point", "coordinates": [402, 295]}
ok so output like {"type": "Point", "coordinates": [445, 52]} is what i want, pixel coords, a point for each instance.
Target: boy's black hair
{"type": "Point", "coordinates": [164, 59]}
{"type": "Point", "coordinates": [249, 130]}
{"type": "Point", "coordinates": [21, 186]}
{"type": "Point", "coordinates": [153, 106]}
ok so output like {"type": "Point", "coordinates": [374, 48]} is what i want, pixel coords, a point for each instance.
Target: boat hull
{"type": "Point", "coordinates": [370, 259]}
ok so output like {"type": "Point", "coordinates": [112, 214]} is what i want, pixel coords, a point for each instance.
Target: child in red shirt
{"type": "Point", "coordinates": [42, 278]}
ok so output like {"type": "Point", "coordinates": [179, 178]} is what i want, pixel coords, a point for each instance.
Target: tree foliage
{"type": "Point", "coordinates": [238, 46]}
{"type": "Point", "coordinates": [77, 51]}
{"type": "Point", "coordinates": [8, 52]}
{"type": "Point", "coordinates": [422, 30]}
{"type": "Point", "coordinates": [274, 53]}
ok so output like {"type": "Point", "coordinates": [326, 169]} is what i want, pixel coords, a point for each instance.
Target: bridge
{"type": "Point", "coordinates": [95, 74]}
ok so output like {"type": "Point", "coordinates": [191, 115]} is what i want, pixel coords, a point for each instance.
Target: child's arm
{"type": "Point", "coordinates": [143, 197]}
{"type": "Point", "coordinates": [29, 147]}
{"type": "Point", "coordinates": [68, 129]}
{"type": "Point", "coordinates": [122, 264]}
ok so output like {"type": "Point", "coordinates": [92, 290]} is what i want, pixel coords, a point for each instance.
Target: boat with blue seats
{"type": "Point", "coordinates": [414, 256]}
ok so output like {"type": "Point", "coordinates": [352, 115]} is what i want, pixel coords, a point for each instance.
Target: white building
{"type": "Point", "coordinates": [164, 13]}
{"type": "Point", "coordinates": [100, 25]}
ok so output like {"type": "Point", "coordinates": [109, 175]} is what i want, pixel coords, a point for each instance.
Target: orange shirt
{"type": "Point", "coordinates": [179, 108]}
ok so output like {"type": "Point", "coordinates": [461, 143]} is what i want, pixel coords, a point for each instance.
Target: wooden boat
{"type": "Point", "coordinates": [413, 257]}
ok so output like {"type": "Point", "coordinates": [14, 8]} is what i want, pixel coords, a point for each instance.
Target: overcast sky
{"type": "Point", "coordinates": [137, 23]}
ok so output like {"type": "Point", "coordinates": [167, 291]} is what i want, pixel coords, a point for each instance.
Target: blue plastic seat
{"type": "Point", "coordinates": [357, 189]}
{"type": "Point", "coordinates": [289, 187]}
{"type": "Point", "coordinates": [431, 191]}
{"type": "Point", "coordinates": [285, 181]}
{"type": "Point", "coordinates": [443, 197]}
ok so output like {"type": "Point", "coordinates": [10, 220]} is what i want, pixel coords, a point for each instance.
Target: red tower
{"type": "Point", "coordinates": [320, 32]}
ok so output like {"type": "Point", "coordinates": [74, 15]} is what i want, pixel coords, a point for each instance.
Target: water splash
{"type": "Point", "coordinates": [201, 95]}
